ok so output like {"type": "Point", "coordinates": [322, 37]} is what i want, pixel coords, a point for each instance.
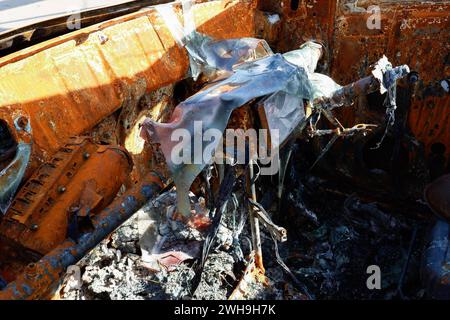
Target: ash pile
{"type": "Point", "coordinates": [334, 236]}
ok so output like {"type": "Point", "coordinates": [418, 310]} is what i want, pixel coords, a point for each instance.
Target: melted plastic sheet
{"type": "Point", "coordinates": [284, 112]}
{"type": "Point", "coordinates": [211, 108]}
{"type": "Point", "coordinates": [206, 55]}
{"type": "Point", "coordinates": [307, 57]}
{"type": "Point", "coordinates": [213, 57]}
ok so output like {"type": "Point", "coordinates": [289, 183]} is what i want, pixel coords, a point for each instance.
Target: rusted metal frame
{"type": "Point", "coordinates": [417, 24]}
{"type": "Point", "coordinates": [63, 190]}
{"type": "Point", "coordinates": [42, 277]}
{"type": "Point", "coordinates": [80, 35]}
{"type": "Point", "coordinates": [423, 26]}
{"type": "Point", "coordinates": [112, 77]}
{"type": "Point", "coordinates": [346, 95]}
{"type": "Point", "coordinates": [39, 31]}
{"type": "Point", "coordinates": [252, 274]}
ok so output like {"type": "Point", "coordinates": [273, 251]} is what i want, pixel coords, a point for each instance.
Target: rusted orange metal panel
{"type": "Point", "coordinates": [80, 180]}
{"type": "Point", "coordinates": [67, 85]}
{"type": "Point", "coordinates": [302, 21]}
{"type": "Point", "coordinates": [412, 32]}
{"type": "Point", "coordinates": [37, 280]}
{"type": "Point", "coordinates": [415, 34]}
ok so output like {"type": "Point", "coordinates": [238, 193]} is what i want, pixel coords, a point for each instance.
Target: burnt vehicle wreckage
{"type": "Point", "coordinates": [347, 176]}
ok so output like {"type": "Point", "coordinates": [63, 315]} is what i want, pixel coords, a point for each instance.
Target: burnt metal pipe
{"type": "Point", "coordinates": [40, 279]}
{"type": "Point", "coordinates": [346, 95]}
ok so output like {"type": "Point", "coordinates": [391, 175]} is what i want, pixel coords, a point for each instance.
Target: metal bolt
{"type": "Point", "coordinates": [31, 270]}
{"type": "Point", "coordinates": [413, 77]}
{"type": "Point", "coordinates": [22, 122]}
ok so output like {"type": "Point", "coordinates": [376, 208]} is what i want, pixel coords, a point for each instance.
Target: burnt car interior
{"type": "Point", "coordinates": [226, 149]}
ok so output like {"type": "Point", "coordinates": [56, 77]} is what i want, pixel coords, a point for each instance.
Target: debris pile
{"type": "Point", "coordinates": [328, 251]}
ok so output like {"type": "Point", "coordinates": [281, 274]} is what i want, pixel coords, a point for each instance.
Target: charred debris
{"type": "Point", "coordinates": [290, 215]}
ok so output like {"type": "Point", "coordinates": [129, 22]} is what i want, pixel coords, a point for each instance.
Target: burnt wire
{"type": "Point", "coordinates": [325, 150]}
{"type": "Point", "coordinates": [210, 238]}
{"type": "Point", "coordinates": [237, 229]}
{"type": "Point", "coordinates": [224, 194]}
{"type": "Point", "coordinates": [300, 286]}
{"type": "Point", "coordinates": [391, 105]}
